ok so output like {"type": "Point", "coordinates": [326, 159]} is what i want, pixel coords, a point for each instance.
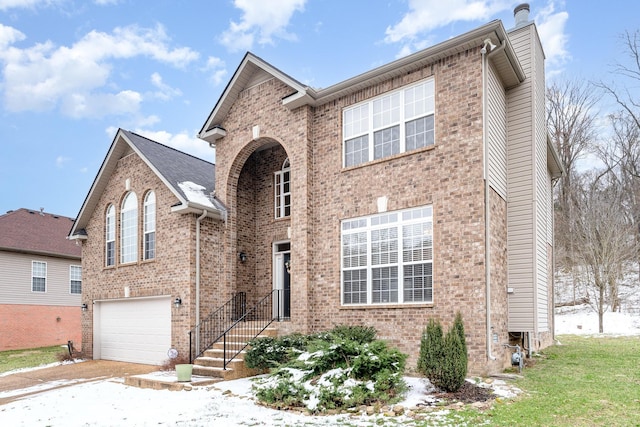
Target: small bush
{"type": "Point", "coordinates": [271, 352]}
{"type": "Point", "coordinates": [170, 364]}
{"type": "Point", "coordinates": [444, 360]}
{"type": "Point", "coordinates": [359, 334]}
{"type": "Point", "coordinates": [431, 350]}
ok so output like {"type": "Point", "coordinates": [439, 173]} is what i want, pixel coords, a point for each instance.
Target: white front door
{"type": "Point", "coordinates": [282, 280]}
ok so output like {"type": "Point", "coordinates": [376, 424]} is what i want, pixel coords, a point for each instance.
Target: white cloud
{"type": "Point", "coordinates": [44, 76]}
{"type": "Point", "coordinates": [61, 160]}
{"type": "Point", "coordinates": [551, 27]}
{"type": "Point", "coordinates": [165, 92]}
{"type": "Point", "coordinates": [261, 22]}
{"type": "Point", "coordinates": [427, 15]}
{"type": "Point", "coordinates": [24, 4]}
{"type": "Point", "coordinates": [216, 67]}
{"type": "Point", "coordinates": [183, 141]}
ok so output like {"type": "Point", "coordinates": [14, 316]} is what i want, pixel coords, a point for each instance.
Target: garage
{"type": "Point", "coordinates": [136, 330]}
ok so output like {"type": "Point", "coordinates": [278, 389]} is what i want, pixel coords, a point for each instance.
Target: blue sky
{"type": "Point", "coordinates": [72, 72]}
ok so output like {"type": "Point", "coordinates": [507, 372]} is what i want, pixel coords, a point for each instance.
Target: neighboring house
{"type": "Point", "coordinates": [410, 192]}
{"type": "Point", "coordinates": [40, 281]}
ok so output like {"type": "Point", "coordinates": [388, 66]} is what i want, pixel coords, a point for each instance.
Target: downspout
{"type": "Point", "coordinates": [487, 198]}
{"type": "Point", "coordinates": [200, 218]}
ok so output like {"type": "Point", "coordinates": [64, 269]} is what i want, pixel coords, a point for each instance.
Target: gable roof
{"type": "Point", "coordinates": [253, 70]}
{"type": "Point", "coordinates": [190, 179]}
{"type": "Point", "coordinates": [37, 232]}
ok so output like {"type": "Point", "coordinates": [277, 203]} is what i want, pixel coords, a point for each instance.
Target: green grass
{"type": "Point", "coordinates": [583, 382]}
{"type": "Point", "coordinates": [18, 359]}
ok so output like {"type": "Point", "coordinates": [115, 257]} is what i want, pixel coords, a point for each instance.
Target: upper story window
{"type": "Point", "coordinates": [38, 276]}
{"type": "Point", "coordinates": [388, 258]}
{"type": "Point", "coordinates": [400, 121]}
{"type": "Point", "coordinates": [75, 279]}
{"type": "Point", "coordinates": [129, 229]}
{"type": "Point", "coordinates": [283, 191]}
{"type": "Point", "coordinates": [150, 225]}
{"type": "Point", "coordinates": [110, 236]}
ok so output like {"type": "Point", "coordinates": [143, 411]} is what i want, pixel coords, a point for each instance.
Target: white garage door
{"type": "Point", "coordinates": [133, 330]}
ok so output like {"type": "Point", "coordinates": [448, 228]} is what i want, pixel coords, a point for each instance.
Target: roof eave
{"type": "Point", "coordinates": [197, 208]}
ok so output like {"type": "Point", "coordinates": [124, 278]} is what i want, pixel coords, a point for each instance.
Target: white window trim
{"type": "Point", "coordinates": [149, 230]}
{"type": "Point", "coordinates": [72, 278]}
{"type": "Point", "coordinates": [107, 217]}
{"type": "Point", "coordinates": [33, 276]}
{"type": "Point", "coordinates": [372, 130]}
{"type": "Point", "coordinates": [399, 223]}
{"type": "Point", "coordinates": [279, 183]}
{"type": "Point", "coordinates": [132, 256]}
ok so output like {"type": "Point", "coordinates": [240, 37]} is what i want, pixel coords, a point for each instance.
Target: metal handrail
{"type": "Point", "coordinates": [252, 323]}
{"type": "Point", "coordinates": [210, 329]}
{"type": "Point", "coordinates": [222, 324]}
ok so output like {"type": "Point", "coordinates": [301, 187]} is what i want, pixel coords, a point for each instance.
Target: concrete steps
{"type": "Point", "coordinates": [211, 363]}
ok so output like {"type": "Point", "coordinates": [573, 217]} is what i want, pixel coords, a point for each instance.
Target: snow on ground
{"type": "Point", "coordinates": [109, 402]}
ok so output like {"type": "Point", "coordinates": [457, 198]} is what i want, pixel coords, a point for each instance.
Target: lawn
{"type": "Point", "coordinates": [585, 381]}
{"type": "Point", "coordinates": [18, 359]}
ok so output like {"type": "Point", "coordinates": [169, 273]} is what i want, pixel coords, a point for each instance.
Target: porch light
{"type": "Point", "coordinates": [177, 302]}
{"type": "Point", "coordinates": [242, 256]}
{"type": "Point", "coordinates": [84, 307]}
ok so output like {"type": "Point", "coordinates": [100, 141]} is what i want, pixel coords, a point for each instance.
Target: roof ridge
{"type": "Point", "coordinates": [167, 146]}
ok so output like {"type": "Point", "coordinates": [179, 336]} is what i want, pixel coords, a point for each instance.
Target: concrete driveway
{"type": "Point", "coordinates": [22, 384]}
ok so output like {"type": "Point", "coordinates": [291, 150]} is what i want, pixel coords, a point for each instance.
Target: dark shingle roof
{"type": "Point", "coordinates": [30, 231]}
{"type": "Point", "coordinates": [175, 166]}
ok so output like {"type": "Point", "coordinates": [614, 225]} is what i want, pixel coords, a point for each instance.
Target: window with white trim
{"type": "Point", "coordinates": [150, 225]}
{"type": "Point", "coordinates": [388, 258]}
{"type": "Point", "coordinates": [393, 123]}
{"type": "Point", "coordinates": [129, 229]}
{"type": "Point", "coordinates": [282, 185]}
{"type": "Point", "coordinates": [75, 279]}
{"type": "Point", "coordinates": [38, 276]}
{"type": "Point", "coordinates": [110, 236]}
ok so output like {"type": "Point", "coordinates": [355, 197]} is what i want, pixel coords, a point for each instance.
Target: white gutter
{"type": "Point", "coordinates": [200, 218]}
{"type": "Point", "coordinates": [487, 198]}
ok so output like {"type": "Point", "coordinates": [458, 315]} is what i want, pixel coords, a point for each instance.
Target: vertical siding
{"type": "Point", "coordinates": [497, 133]}
{"type": "Point", "coordinates": [15, 287]}
{"type": "Point", "coordinates": [520, 209]}
{"type": "Point", "coordinates": [529, 209]}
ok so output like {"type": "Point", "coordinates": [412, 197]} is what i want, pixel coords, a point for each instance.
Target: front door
{"type": "Point", "coordinates": [282, 280]}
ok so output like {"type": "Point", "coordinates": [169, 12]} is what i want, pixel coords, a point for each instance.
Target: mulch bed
{"type": "Point", "coordinates": [468, 393]}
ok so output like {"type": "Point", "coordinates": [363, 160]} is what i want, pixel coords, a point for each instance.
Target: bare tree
{"type": "Point", "coordinates": [605, 239]}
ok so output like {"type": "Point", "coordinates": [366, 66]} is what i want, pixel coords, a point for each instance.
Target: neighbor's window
{"type": "Point", "coordinates": [75, 279]}
{"type": "Point", "coordinates": [388, 258]}
{"type": "Point", "coordinates": [150, 225]}
{"type": "Point", "coordinates": [110, 236]}
{"type": "Point", "coordinates": [129, 229]}
{"type": "Point", "coordinates": [38, 276]}
{"type": "Point", "coordinates": [283, 191]}
{"type": "Point", "coordinates": [400, 121]}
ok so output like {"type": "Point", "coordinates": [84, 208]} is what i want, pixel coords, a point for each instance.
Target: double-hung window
{"type": "Point", "coordinates": [75, 279]}
{"type": "Point", "coordinates": [150, 225]}
{"type": "Point", "coordinates": [388, 258]}
{"type": "Point", "coordinates": [129, 229]}
{"type": "Point", "coordinates": [110, 236]}
{"type": "Point", "coordinates": [282, 184]}
{"type": "Point", "coordinates": [38, 276]}
{"type": "Point", "coordinates": [400, 121]}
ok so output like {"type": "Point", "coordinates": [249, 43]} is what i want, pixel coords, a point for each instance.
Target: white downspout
{"type": "Point", "coordinates": [200, 218]}
{"type": "Point", "coordinates": [487, 207]}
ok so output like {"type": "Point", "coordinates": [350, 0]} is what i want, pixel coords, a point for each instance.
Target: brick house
{"type": "Point", "coordinates": [414, 190]}
{"type": "Point", "coordinates": [40, 281]}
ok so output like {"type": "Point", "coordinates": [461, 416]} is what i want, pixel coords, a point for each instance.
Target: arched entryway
{"type": "Point", "coordinates": [261, 224]}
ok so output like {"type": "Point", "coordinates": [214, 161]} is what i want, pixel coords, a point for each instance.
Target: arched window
{"type": "Point", "coordinates": [150, 225]}
{"type": "Point", "coordinates": [129, 229]}
{"type": "Point", "coordinates": [110, 236]}
{"type": "Point", "coordinates": [283, 190]}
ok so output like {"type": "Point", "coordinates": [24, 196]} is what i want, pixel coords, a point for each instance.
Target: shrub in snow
{"type": "Point", "coordinates": [337, 370]}
{"type": "Point", "coordinates": [444, 360]}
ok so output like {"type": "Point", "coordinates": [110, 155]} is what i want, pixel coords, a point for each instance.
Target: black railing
{"type": "Point", "coordinates": [236, 332]}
